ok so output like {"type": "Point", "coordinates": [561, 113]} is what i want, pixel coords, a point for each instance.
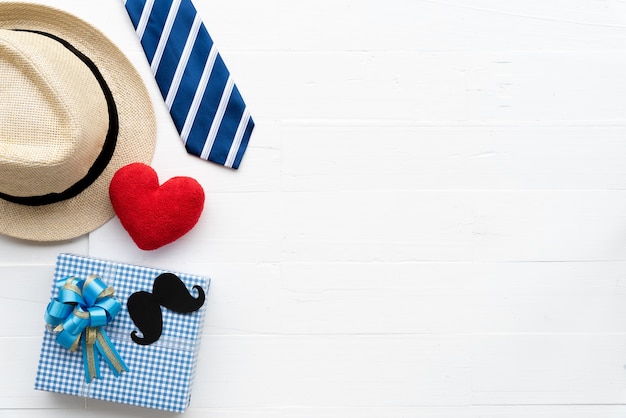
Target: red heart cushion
{"type": "Point", "coordinates": [155, 215]}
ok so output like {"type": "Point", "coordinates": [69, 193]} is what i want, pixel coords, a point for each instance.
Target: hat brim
{"type": "Point", "coordinates": [135, 142]}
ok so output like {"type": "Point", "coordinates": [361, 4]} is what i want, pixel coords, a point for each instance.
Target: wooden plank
{"type": "Point", "coordinates": [101, 409]}
{"type": "Point", "coordinates": [386, 155]}
{"type": "Point", "coordinates": [331, 371]}
{"type": "Point", "coordinates": [23, 301]}
{"type": "Point", "coordinates": [557, 369]}
{"type": "Point", "coordinates": [507, 86]}
{"type": "Point", "coordinates": [395, 226]}
{"type": "Point", "coordinates": [424, 25]}
{"type": "Point", "coordinates": [577, 225]}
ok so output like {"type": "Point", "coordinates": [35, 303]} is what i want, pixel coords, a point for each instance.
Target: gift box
{"type": "Point", "coordinates": [159, 374]}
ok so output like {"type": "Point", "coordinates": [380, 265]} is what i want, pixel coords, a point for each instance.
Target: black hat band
{"type": "Point", "coordinates": [101, 162]}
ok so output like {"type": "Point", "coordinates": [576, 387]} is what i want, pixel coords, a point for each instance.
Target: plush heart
{"type": "Point", "coordinates": [155, 215]}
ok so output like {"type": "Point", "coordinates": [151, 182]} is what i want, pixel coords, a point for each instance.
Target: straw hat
{"type": "Point", "coordinates": [73, 112]}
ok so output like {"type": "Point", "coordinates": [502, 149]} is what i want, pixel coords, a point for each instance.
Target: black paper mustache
{"type": "Point", "coordinates": [144, 308]}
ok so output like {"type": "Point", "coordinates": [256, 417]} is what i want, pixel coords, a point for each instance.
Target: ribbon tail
{"type": "Point", "coordinates": [110, 354]}
{"type": "Point", "coordinates": [90, 363]}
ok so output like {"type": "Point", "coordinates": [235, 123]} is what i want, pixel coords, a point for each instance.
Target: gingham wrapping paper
{"type": "Point", "coordinates": [160, 374]}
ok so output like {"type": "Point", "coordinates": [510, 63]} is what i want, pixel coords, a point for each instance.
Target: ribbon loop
{"type": "Point", "coordinates": [70, 292]}
{"type": "Point", "coordinates": [98, 317]}
{"type": "Point", "coordinates": [93, 287]}
{"type": "Point", "coordinates": [56, 312]}
{"type": "Point", "coordinates": [79, 315]}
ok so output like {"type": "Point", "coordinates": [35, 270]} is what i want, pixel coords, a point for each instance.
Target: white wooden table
{"type": "Point", "coordinates": [430, 220]}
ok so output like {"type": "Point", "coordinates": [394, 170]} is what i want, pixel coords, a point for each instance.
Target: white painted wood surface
{"type": "Point", "coordinates": [430, 220]}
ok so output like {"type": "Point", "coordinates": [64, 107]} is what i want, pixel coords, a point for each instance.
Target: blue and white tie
{"type": "Point", "coordinates": [206, 106]}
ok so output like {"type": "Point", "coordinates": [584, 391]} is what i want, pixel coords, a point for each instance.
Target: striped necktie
{"type": "Point", "coordinates": [206, 106]}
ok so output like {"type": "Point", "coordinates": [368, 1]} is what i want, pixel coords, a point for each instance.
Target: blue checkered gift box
{"type": "Point", "coordinates": [160, 374]}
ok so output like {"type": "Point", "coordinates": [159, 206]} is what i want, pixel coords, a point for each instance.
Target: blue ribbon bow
{"type": "Point", "coordinates": [79, 314]}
